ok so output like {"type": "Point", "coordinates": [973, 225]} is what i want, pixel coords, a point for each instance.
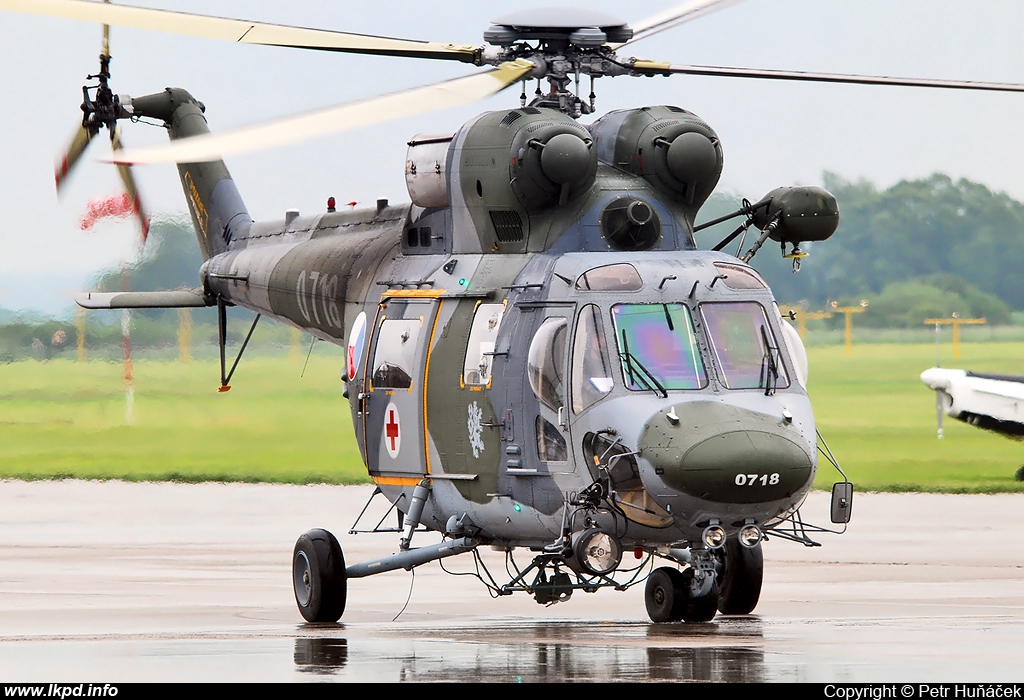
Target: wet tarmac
{"type": "Point", "coordinates": [116, 582]}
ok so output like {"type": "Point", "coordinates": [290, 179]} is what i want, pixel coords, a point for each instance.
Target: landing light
{"type": "Point", "coordinates": [597, 551]}
{"type": "Point", "coordinates": [714, 536]}
{"type": "Point", "coordinates": [750, 535]}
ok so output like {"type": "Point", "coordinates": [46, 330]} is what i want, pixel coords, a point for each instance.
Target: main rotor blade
{"type": "Point", "coordinates": [106, 39]}
{"type": "Point", "coordinates": [241, 31]}
{"type": "Point", "coordinates": [288, 130]}
{"type": "Point", "coordinates": [674, 16]}
{"type": "Point", "coordinates": [645, 67]}
{"type": "Point", "coordinates": [125, 171]}
{"type": "Point", "coordinates": [79, 142]}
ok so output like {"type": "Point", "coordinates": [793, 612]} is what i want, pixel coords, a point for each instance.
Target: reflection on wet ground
{"type": "Point", "coordinates": [729, 651]}
{"type": "Point", "coordinates": [320, 655]}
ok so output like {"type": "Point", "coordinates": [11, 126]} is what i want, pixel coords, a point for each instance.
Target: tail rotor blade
{"type": "Point", "coordinates": [130, 187]}
{"type": "Point", "coordinates": [940, 409]}
{"type": "Point", "coordinates": [79, 142]}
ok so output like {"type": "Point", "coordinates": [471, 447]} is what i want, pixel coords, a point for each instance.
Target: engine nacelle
{"type": "Point", "coordinates": [671, 148]}
{"type": "Point", "coordinates": [552, 162]}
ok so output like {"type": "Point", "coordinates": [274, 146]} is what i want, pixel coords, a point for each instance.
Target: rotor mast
{"type": "Point", "coordinates": [563, 46]}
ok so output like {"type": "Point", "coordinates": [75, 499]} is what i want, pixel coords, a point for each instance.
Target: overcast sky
{"type": "Point", "coordinates": [772, 133]}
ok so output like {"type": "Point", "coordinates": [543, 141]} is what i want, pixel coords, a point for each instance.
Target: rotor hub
{"type": "Point", "coordinates": [558, 27]}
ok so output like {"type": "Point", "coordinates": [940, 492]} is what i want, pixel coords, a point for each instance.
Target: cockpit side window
{"type": "Point", "coordinates": [551, 445]}
{"type": "Point", "coordinates": [744, 347]}
{"type": "Point", "coordinates": [476, 370]}
{"type": "Point", "coordinates": [658, 347]}
{"type": "Point", "coordinates": [591, 369]}
{"type": "Point", "coordinates": [545, 363]}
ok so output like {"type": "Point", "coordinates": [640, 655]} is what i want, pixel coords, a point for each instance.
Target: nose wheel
{"type": "Point", "coordinates": [669, 597]}
{"type": "Point", "coordinates": [318, 577]}
{"type": "Point", "coordinates": [665, 595]}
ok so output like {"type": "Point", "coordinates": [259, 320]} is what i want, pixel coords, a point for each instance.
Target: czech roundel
{"type": "Point", "coordinates": [355, 344]}
{"type": "Point", "coordinates": [392, 430]}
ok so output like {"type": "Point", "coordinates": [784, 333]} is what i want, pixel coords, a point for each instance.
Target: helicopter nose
{"type": "Point", "coordinates": [941, 379]}
{"type": "Point", "coordinates": [727, 454]}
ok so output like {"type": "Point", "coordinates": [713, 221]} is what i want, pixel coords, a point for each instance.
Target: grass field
{"type": "Point", "coordinates": [67, 419]}
{"type": "Point", "coordinates": [879, 420]}
{"type": "Point", "coordinates": [64, 418]}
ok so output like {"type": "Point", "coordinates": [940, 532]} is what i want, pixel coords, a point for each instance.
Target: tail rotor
{"type": "Point", "coordinates": [101, 109]}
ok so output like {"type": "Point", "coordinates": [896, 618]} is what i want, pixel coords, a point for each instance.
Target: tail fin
{"type": "Point", "coordinates": [218, 213]}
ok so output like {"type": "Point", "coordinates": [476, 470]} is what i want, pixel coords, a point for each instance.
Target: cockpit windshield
{"type": "Point", "coordinates": [744, 347]}
{"type": "Point", "coordinates": [657, 347]}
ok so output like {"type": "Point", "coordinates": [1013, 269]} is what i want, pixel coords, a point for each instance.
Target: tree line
{"type": "Point", "coordinates": [919, 249]}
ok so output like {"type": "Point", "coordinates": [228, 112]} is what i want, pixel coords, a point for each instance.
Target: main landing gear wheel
{"type": "Point", "coordinates": [665, 595]}
{"type": "Point", "coordinates": [740, 578]}
{"type": "Point", "coordinates": [318, 577]}
{"type": "Point", "coordinates": [1020, 474]}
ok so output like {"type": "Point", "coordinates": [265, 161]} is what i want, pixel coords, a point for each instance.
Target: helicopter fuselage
{"type": "Point", "coordinates": [540, 330]}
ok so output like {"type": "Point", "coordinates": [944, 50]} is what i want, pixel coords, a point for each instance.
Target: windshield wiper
{"type": "Point", "coordinates": [769, 378]}
{"type": "Point", "coordinates": [643, 374]}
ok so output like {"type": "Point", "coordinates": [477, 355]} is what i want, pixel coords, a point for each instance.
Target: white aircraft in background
{"type": "Point", "coordinates": [991, 401]}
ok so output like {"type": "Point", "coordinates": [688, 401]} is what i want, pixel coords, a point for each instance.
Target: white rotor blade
{"type": "Point", "coordinates": [237, 30]}
{"type": "Point", "coordinates": [321, 122]}
{"type": "Point", "coordinates": [675, 16]}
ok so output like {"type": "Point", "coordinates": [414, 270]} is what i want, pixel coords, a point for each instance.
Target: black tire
{"type": "Point", "coordinates": [701, 609]}
{"type": "Point", "coordinates": [318, 577]}
{"type": "Point", "coordinates": [1020, 474]}
{"type": "Point", "coordinates": [739, 582]}
{"type": "Point", "coordinates": [665, 595]}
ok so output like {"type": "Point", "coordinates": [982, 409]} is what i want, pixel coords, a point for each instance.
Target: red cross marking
{"type": "Point", "coordinates": [391, 429]}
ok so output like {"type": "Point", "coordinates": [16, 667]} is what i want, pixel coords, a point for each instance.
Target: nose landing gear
{"type": "Point", "coordinates": [690, 595]}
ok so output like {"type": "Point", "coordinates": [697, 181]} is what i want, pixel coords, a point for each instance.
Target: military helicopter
{"type": "Point", "coordinates": [539, 357]}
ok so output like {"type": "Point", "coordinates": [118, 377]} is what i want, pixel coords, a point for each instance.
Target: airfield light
{"type": "Point", "coordinates": [750, 535]}
{"type": "Point", "coordinates": [714, 536]}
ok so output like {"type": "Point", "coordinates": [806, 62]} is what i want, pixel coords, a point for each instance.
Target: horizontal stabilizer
{"type": "Point", "coordinates": [181, 298]}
